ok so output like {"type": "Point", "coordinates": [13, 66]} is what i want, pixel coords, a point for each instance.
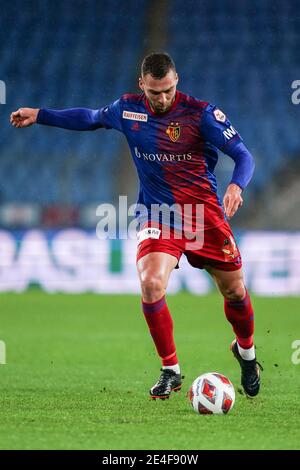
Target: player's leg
{"type": "Point", "coordinates": [237, 305]}
{"type": "Point", "coordinates": [154, 270]}
{"type": "Point", "coordinates": [239, 312]}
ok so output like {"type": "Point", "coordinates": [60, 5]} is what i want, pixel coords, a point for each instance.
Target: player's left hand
{"type": "Point", "coordinates": [232, 200]}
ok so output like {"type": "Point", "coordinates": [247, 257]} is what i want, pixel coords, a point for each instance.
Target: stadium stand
{"type": "Point", "coordinates": [59, 55]}
{"type": "Point", "coordinates": [242, 56]}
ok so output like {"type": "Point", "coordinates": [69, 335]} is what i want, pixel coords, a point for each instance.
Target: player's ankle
{"type": "Point", "coordinates": [175, 368]}
{"type": "Point", "coordinates": [247, 354]}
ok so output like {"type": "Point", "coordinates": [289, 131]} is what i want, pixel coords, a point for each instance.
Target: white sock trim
{"type": "Point", "coordinates": [247, 354]}
{"type": "Point", "coordinates": [175, 368]}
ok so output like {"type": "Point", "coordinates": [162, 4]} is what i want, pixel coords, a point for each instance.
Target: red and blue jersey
{"type": "Point", "coordinates": [175, 153]}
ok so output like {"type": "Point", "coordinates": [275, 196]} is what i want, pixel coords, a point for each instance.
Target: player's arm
{"type": "Point", "coordinates": [78, 119]}
{"type": "Point", "coordinates": [218, 130]}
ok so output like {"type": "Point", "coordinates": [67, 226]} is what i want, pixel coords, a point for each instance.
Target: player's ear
{"type": "Point", "coordinates": [177, 78]}
{"type": "Point", "coordinates": [141, 83]}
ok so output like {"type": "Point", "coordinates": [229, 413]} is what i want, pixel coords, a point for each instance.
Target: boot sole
{"type": "Point", "coordinates": [165, 397]}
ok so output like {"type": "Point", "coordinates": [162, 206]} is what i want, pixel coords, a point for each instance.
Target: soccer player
{"type": "Point", "coordinates": [174, 138]}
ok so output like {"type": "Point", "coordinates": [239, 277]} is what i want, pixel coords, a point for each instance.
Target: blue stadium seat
{"type": "Point", "coordinates": [243, 56]}
{"type": "Point", "coordinates": [60, 55]}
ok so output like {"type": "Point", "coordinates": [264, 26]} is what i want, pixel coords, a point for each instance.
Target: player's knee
{"type": "Point", "coordinates": [152, 288]}
{"type": "Point", "coordinates": [235, 291]}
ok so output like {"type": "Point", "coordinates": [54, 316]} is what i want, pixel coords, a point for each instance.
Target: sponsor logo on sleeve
{"type": "Point", "coordinates": [229, 133]}
{"type": "Point", "coordinates": [219, 115]}
{"type": "Point", "coordinates": [135, 116]}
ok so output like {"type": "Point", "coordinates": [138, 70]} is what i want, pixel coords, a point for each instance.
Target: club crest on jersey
{"type": "Point", "coordinates": [173, 131]}
{"type": "Point", "coordinates": [219, 115]}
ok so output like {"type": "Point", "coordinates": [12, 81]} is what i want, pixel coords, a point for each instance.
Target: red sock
{"type": "Point", "coordinates": [240, 314]}
{"type": "Point", "coordinates": [160, 325]}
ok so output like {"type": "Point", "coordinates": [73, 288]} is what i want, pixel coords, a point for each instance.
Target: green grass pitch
{"type": "Point", "coordinates": [79, 369]}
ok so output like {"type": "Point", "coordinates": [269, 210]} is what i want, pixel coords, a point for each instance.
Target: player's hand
{"type": "Point", "coordinates": [232, 200]}
{"type": "Point", "coordinates": [24, 117]}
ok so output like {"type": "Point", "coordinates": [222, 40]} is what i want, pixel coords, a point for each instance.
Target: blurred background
{"type": "Point", "coordinates": [242, 56]}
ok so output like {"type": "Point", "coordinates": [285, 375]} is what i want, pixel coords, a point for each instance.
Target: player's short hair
{"type": "Point", "coordinates": [157, 64]}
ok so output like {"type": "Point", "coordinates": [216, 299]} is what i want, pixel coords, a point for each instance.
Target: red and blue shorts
{"type": "Point", "coordinates": [218, 250]}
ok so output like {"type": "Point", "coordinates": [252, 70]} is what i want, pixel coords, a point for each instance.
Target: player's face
{"type": "Point", "coordinates": [159, 92]}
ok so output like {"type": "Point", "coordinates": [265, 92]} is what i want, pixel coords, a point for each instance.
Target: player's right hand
{"type": "Point", "coordinates": [24, 117]}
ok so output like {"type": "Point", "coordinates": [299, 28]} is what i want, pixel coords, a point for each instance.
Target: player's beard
{"type": "Point", "coordinates": [159, 109]}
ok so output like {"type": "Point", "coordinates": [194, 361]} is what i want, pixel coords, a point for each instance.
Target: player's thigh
{"type": "Point", "coordinates": [156, 266]}
{"type": "Point", "coordinates": [230, 283]}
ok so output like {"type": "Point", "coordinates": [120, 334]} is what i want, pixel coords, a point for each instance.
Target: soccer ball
{"type": "Point", "coordinates": [212, 393]}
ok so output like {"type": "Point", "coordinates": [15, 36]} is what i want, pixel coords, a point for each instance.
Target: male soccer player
{"type": "Point", "coordinates": [173, 139]}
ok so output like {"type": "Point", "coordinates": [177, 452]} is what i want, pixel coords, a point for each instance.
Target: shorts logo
{"type": "Point", "coordinates": [135, 116]}
{"type": "Point", "coordinates": [173, 131]}
{"type": "Point", "coordinates": [229, 249]}
{"type": "Point", "coordinates": [219, 115]}
{"type": "Point", "coordinates": [148, 233]}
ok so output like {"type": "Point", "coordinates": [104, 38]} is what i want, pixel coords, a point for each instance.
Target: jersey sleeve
{"type": "Point", "coordinates": [216, 128]}
{"type": "Point", "coordinates": [83, 119]}
{"type": "Point", "coordinates": [110, 116]}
